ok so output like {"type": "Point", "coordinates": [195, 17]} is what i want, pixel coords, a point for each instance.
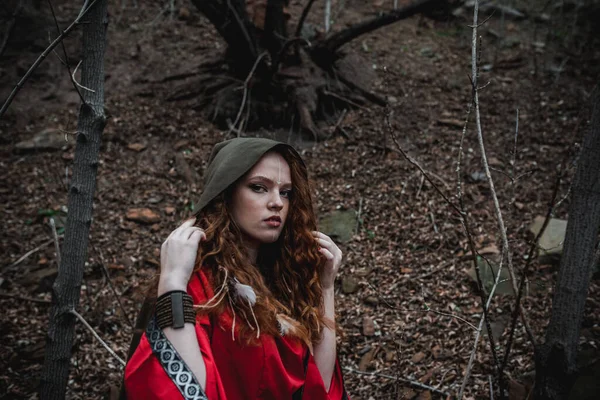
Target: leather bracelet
{"type": "Point", "coordinates": [174, 309]}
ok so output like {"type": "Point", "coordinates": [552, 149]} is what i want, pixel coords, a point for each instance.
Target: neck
{"type": "Point", "coordinates": [251, 249]}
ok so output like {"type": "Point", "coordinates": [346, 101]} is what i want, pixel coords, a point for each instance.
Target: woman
{"type": "Point", "coordinates": [245, 298]}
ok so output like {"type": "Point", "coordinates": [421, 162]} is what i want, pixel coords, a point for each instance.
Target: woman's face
{"type": "Point", "coordinates": [261, 200]}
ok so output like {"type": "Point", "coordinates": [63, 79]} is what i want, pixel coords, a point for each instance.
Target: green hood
{"type": "Point", "coordinates": [230, 160]}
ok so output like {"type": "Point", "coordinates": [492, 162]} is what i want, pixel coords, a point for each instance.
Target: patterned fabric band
{"type": "Point", "coordinates": [174, 309]}
{"type": "Point", "coordinates": [173, 364]}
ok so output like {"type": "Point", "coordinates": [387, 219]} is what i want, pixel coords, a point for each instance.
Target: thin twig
{"type": "Point", "coordinates": [416, 164]}
{"type": "Point", "coordinates": [84, 322]}
{"type": "Point", "coordinates": [303, 18]}
{"type": "Point", "coordinates": [9, 27]}
{"type": "Point", "coordinates": [530, 256]}
{"type": "Point", "coordinates": [498, 211]}
{"type": "Point", "coordinates": [117, 296]}
{"type": "Point", "coordinates": [513, 162]}
{"type": "Point", "coordinates": [56, 244]}
{"type": "Point", "coordinates": [327, 15]}
{"type": "Point", "coordinates": [43, 56]}
{"type": "Point", "coordinates": [452, 316]}
{"type": "Point", "coordinates": [77, 83]}
{"type": "Point", "coordinates": [31, 299]}
{"type": "Point", "coordinates": [479, 329]}
{"type": "Point", "coordinates": [360, 204]}
{"type": "Point", "coordinates": [30, 252]}
{"type": "Point", "coordinates": [66, 62]}
{"type": "Point", "coordinates": [397, 378]}
{"type": "Point", "coordinates": [245, 95]}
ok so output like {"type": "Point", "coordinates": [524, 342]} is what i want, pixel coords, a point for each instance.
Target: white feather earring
{"type": "Point", "coordinates": [285, 324]}
{"type": "Point", "coordinates": [246, 292]}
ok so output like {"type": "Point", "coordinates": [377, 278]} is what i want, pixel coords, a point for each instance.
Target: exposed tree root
{"type": "Point", "coordinates": [268, 79]}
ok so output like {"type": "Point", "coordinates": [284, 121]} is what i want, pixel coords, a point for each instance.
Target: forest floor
{"type": "Point", "coordinates": [412, 310]}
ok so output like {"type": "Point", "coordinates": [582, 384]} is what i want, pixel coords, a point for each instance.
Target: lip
{"type": "Point", "coordinates": [273, 221]}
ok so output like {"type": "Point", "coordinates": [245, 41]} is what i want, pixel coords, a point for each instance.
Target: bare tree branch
{"type": "Point", "coordinates": [43, 56]}
{"type": "Point", "coordinates": [337, 40]}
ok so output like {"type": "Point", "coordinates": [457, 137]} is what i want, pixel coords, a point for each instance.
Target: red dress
{"type": "Point", "coordinates": [278, 368]}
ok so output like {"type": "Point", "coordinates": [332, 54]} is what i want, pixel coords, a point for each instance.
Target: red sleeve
{"type": "Point", "coordinates": [145, 376]}
{"type": "Point", "coordinates": [314, 387]}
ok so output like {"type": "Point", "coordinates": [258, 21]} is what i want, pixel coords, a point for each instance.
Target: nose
{"type": "Point", "coordinates": [275, 202]}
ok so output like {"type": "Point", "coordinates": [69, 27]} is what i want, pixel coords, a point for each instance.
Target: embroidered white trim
{"type": "Point", "coordinates": [173, 364]}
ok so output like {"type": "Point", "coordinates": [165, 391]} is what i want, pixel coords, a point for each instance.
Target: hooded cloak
{"type": "Point", "coordinates": [288, 369]}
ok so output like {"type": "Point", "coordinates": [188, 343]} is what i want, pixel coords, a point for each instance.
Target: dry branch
{"type": "Point", "coordinates": [337, 40]}
{"type": "Point", "coordinates": [45, 53]}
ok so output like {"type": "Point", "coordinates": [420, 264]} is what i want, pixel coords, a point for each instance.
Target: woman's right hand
{"type": "Point", "coordinates": [178, 256]}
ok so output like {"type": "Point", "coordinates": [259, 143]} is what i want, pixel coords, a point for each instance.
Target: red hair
{"type": "Point", "coordinates": [286, 277]}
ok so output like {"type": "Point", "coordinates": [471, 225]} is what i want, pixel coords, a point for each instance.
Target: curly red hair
{"type": "Point", "coordinates": [286, 277]}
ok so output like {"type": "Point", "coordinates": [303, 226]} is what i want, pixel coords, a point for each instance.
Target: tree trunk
{"type": "Point", "coordinates": [556, 358]}
{"type": "Point", "coordinates": [282, 78]}
{"type": "Point", "coordinates": [67, 286]}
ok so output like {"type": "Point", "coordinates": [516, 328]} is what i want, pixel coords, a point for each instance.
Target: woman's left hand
{"type": "Point", "coordinates": [333, 254]}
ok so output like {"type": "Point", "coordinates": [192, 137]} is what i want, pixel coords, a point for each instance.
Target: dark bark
{"type": "Point", "coordinates": [231, 20]}
{"type": "Point", "coordinates": [337, 40]}
{"type": "Point", "coordinates": [556, 358]}
{"type": "Point", "coordinates": [67, 286]}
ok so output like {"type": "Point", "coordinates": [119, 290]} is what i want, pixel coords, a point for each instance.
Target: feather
{"type": "Point", "coordinates": [244, 291]}
{"type": "Point", "coordinates": [285, 324]}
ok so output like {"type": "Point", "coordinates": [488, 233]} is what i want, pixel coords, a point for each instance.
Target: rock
{"type": "Point", "coordinates": [477, 176]}
{"type": "Point", "coordinates": [46, 140]}
{"type": "Point", "coordinates": [349, 284]}
{"type": "Point", "coordinates": [491, 249]}
{"type": "Point", "coordinates": [436, 351]}
{"type": "Point", "coordinates": [488, 275]}
{"type": "Point", "coordinates": [454, 123]}
{"type": "Point", "coordinates": [408, 394]}
{"type": "Point", "coordinates": [181, 144]}
{"type": "Point", "coordinates": [339, 225]}
{"type": "Point", "coordinates": [41, 279]}
{"type": "Point", "coordinates": [170, 210]}
{"type": "Point", "coordinates": [366, 360]}
{"type": "Point", "coordinates": [498, 327]}
{"type": "Point", "coordinates": [371, 301]}
{"type": "Point", "coordinates": [427, 52]}
{"type": "Point", "coordinates": [426, 395]}
{"type": "Point", "coordinates": [368, 326]}
{"type": "Point", "coordinates": [417, 358]}
{"type": "Point", "coordinates": [551, 242]}
{"type": "Point", "coordinates": [356, 69]}
{"type": "Point", "coordinates": [184, 14]}
{"type": "Point", "coordinates": [142, 215]}
{"type": "Point", "coordinates": [137, 147]}
{"type": "Point", "coordinates": [183, 169]}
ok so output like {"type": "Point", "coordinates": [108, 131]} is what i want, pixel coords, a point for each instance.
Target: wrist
{"type": "Point", "coordinates": [167, 284]}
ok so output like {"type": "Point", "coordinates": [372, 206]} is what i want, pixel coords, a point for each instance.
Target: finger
{"type": "Point", "coordinates": [194, 229]}
{"type": "Point", "coordinates": [321, 235]}
{"type": "Point", "coordinates": [183, 227]}
{"type": "Point", "coordinates": [197, 236]}
{"type": "Point", "coordinates": [325, 243]}
{"type": "Point", "coordinates": [328, 255]}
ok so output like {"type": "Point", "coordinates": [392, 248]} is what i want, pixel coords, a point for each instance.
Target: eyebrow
{"type": "Point", "coordinates": [269, 180]}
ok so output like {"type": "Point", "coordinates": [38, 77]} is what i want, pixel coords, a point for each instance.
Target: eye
{"type": "Point", "coordinates": [286, 193]}
{"type": "Point", "coordinates": [258, 188]}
